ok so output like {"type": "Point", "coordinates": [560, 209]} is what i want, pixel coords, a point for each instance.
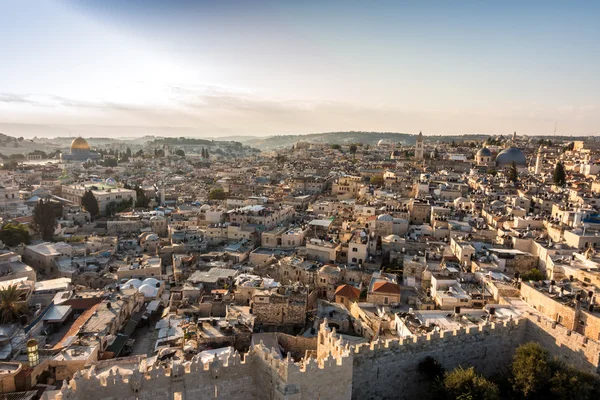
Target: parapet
{"type": "Point", "coordinates": [435, 338]}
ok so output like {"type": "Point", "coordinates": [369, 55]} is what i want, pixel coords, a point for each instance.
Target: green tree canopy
{"type": "Point", "coordinates": [142, 201]}
{"type": "Point", "coordinates": [530, 369]}
{"type": "Point", "coordinates": [468, 385]}
{"type": "Point", "coordinates": [12, 304]}
{"type": "Point", "coordinates": [559, 175]}
{"type": "Point", "coordinates": [377, 180]}
{"type": "Point", "coordinates": [217, 194]}
{"type": "Point", "coordinates": [353, 148]}
{"type": "Point", "coordinates": [89, 202]}
{"type": "Point", "coordinates": [533, 275]}
{"type": "Point", "coordinates": [44, 219]}
{"type": "Point", "coordinates": [179, 153]}
{"type": "Point", "coordinates": [13, 234]}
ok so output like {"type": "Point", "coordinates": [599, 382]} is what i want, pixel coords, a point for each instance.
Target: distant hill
{"type": "Point", "coordinates": [371, 138]}
{"type": "Point", "coordinates": [12, 145]}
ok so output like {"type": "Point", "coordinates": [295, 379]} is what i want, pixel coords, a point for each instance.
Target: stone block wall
{"type": "Point", "coordinates": [564, 344]}
{"type": "Point", "coordinates": [384, 370]}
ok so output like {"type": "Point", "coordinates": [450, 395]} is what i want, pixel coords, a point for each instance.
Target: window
{"type": "Point", "coordinates": [587, 280]}
{"type": "Point", "coordinates": [354, 249]}
{"type": "Point", "coordinates": [385, 300]}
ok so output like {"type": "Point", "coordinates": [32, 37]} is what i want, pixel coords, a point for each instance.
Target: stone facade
{"type": "Point", "coordinates": [279, 309]}
{"type": "Point", "coordinates": [382, 369]}
{"type": "Point", "coordinates": [261, 374]}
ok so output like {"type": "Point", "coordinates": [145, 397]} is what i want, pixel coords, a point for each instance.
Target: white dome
{"type": "Point", "coordinates": [392, 238]}
{"type": "Point", "coordinates": [150, 281]}
{"type": "Point", "coordinates": [205, 207]}
{"type": "Point", "coordinates": [136, 283]}
{"type": "Point", "coordinates": [385, 217]}
{"type": "Point", "coordinates": [148, 290]}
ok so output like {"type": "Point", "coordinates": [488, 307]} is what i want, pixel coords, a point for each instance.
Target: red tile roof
{"type": "Point", "coordinates": [347, 291]}
{"type": "Point", "coordinates": [385, 287]}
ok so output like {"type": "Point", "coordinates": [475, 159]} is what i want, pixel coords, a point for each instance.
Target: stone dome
{"type": "Point", "coordinates": [329, 269]}
{"type": "Point", "coordinates": [385, 218]}
{"type": "Point", "coordinates": [79, 145]}
{"type": "Point", "coordinates": [148, 290]}
{"type": "Point", "coordinates": [392, 239]}
{"type": "Point", "coordinates": [507, 156]}
{"type": "Point", "coordinates": [132, 283]}
{"type": "Point", "coordinates": [484, 152]}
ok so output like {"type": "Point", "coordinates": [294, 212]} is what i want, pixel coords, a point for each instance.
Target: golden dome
{"type": "Point", "coordinates": [79, 144]}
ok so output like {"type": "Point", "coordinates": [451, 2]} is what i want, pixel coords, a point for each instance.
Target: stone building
{"type": "Point", "coordinates": [336, 369]}
{"type": "Point", "coordinates": [284, 306]}
{"type": "Point", "coordinates": [419, 150]}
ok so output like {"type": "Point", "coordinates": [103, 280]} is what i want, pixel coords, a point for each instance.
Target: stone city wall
{"type": "Point", "coordinates": [261, 375]}
{"type": "Point", "coordinates": [564, 344]}
{"type": "Point", "coordinates": [389, 369]}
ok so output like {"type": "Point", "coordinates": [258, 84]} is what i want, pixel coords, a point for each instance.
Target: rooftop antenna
{"type": "Point", "coordinates": [554, 128]}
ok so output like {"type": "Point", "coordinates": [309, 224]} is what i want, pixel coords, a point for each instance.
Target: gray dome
{"type": "Point", "coordinates": [385, 217]}
{"type": "Point", "coordinates": [485, 152]}
{"type": "Point", "coordinates": [506, 157]}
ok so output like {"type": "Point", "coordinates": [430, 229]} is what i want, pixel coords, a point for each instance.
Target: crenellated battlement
{"type": "Point", "coordinates": [480, 332]}
{"type": "Point", "coordinates": [340, 371]}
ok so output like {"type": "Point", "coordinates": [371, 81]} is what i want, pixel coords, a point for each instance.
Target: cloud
{"type": "Point", "coordinates": [13, 98]}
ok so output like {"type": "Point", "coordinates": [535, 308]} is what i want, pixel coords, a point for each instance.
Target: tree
{"type": "Point", "coordinates": [128, 152]}
{"type": "Point", "coordinates": [179, 153]}
{"type": "Point", "coordinates": [44, 219]}
{"type": "Point", "coordinates": [110, 162]}
{"type": "Point", "coordinates": [336, 147]}
{"type": "Point", "coordinates": [466, 384]}
{"type": "Point", "coordinates": [12, 306]}
{"type": "Point", "coordinates": [111, 208]}
{"type": "Point", "coordinates": [530, 369]}
{"type": "Point", "coordinates": [513, 174]}
{"type": "Point", "coordinates": [533, 275]}
{"type": "Point", "coordinates": [353, 148]}
{"type": "Point", "coordinates": [13, 234]}
{"type": "Point", "coordinates": [217, 194]}
{"type": "Point", "coordinates": [141, 201]}
{"type": "Point", "coordinates": [377, 180]}
{"type": "Point", "coordinates": [89, 202]}
{"type": "Point", "coordinates": [568, 383]}
{"type": "Point", "coordinates": [559, 176]}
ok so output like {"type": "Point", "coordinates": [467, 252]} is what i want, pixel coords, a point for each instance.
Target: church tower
{"type": "Point", "coordinates": [538, 162]}
{"type": "Point", "coordinates": [419, 148]}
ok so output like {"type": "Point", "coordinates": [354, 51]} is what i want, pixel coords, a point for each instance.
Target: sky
{"type": "Point", "coordinates": [217, 68]}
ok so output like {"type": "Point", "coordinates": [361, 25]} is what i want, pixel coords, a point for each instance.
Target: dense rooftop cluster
{"type": "Point", "coordinates": [180, 253]}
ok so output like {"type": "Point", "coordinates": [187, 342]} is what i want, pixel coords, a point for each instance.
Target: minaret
{"type": "Point", "coordinates": [538, 162]}
{"type": "Point", "coordinates": [419, 147]}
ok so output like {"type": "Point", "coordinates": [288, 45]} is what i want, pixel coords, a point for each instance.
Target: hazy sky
{"type": "Point", "coordinates": [279, 67]}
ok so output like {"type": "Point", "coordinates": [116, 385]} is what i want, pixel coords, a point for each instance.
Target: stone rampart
{"type": "Point", "coordinates": [389, 369]}
{"type": "Point", "coordinates": [381, 369]}
{"type": "Point", "coordinates": [564, 344]}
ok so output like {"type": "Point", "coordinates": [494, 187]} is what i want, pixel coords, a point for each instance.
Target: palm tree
{"type": "Point", "coordinates": [11, 306]}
